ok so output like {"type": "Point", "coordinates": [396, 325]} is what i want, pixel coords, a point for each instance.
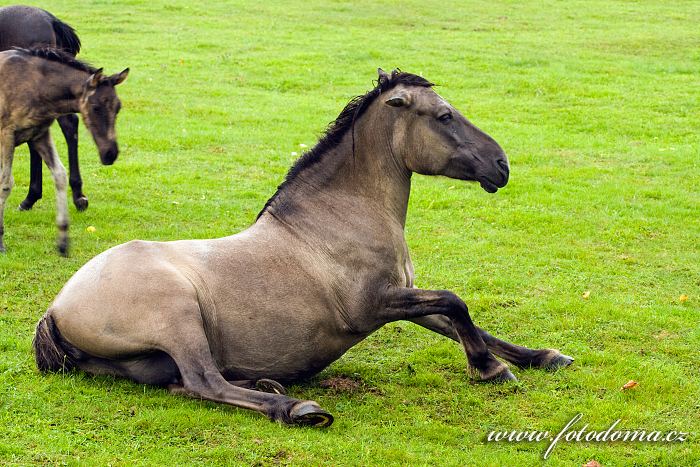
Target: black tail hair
{"type": "Point", "coordinates": [51, 351]}
{"type": "Point", "coordinates": [66, 38]}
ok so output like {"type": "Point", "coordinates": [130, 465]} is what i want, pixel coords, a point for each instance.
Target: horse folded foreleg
{"type": "Point", "coordinates": [408, 304]}
{"type": "Point", "coordinates": [523, 357]}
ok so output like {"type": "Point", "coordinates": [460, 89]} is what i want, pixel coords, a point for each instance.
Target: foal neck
{"type": "Point", "coordinates": [61, 89]}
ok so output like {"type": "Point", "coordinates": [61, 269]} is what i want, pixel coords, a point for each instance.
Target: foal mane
{"type": "Point", "coordinates": [345, 122]}
{"type": "Point", "coordinates": [57, 55]}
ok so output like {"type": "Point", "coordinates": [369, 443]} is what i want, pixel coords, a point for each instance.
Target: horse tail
{"type": "Point", "coordinates": [51, 351]}
{"type": "Point", "coordinates": [66, 37]}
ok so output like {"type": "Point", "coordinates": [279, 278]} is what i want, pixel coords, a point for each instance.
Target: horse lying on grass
{"type": "Point", "coordinates": [324, 265]}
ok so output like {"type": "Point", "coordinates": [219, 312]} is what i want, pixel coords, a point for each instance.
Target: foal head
{"type": "Point", "coordinates": [433, 138]}
{"type": "Point", "coordinates": [99, 106]}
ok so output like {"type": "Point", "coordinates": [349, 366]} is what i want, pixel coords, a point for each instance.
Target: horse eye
{"type": "Point", "coordinates": [445, 118]}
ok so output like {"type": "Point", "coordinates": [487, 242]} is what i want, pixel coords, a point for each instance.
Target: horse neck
{"type": "Point", "coordinates": [369, 181]}
{"type": "Point", "coordinates": [61, 88]}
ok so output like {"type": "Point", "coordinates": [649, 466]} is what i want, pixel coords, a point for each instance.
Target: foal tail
{"type": "Point", "coordinates": [51, 351]}
{"type": "Point", "coordinates": [66, 38]}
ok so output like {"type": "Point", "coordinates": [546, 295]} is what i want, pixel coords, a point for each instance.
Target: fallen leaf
{"type": "Point", "coordinates": [683, 298]}
{"type": "Point", "coordinates": [629, 385]}
{"type": "Point", "coordinates": [91, 229]}
{"type": "Point", "coordinates": [586, 294]}
{"type": "Point", "coordinates": [592, 463]}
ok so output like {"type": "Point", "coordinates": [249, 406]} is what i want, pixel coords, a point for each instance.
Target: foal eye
{"type": "Point", "coordinates": [445, 118]}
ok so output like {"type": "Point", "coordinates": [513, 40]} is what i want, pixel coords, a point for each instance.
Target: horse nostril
{"type": "Point", "coordinates": [503, 164]}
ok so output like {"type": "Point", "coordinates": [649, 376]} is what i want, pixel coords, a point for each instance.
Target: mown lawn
{"type": "Point", "coordinates": [596, 104]}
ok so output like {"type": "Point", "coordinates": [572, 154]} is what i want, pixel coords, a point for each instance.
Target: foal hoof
{"type": "Point", "coordinates": [557, 360]}
{"type": "Point", "coordinates": [81, 204]}
{"type": "Point", "coordinates": [270, 385]}
{"type": "Point", "coordinates": [309, 413]}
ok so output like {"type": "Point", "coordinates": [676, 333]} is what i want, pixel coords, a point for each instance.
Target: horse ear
{"type": "Point", "coordinates": [94, 79]}
{"type": "Point", "coordinates": [383, 76]}
{"type": "Point", "coordinates": [119, 77]}
{"type": "Point", "coordinates": [398, 99]}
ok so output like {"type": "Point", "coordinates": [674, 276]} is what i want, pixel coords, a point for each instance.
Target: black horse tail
{"type": "Point", "coordinates": [66, 38]}
{"type": "Point", "coordinates": [51, 351]}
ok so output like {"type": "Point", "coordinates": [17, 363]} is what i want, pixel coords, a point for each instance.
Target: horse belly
{"type": "Point", "coordinates": [262, 340]}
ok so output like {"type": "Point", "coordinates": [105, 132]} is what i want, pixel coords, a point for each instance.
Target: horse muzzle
{"type": "Point", "coordinates": [109, 155]}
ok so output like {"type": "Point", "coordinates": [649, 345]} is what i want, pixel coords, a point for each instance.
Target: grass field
{"type": "Point", "coordinates": [596, 103]}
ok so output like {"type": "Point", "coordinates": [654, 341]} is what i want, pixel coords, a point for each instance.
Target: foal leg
{"type": "Point", "coordinates": [46, 149]}
{"type": "Point", "coordinates": [69, 127]}
{"type": "Point", "coordinates": [7, 149]}
{"type": "Point", "coordinates": [35, 179]}
{"type": "Point", "coordinates": [409, 304]}
{"type": "Point", "coordinates": [523, 357]}
{"type": "Point", "coordinates": [201, 379]}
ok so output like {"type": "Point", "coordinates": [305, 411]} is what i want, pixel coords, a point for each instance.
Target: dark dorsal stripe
{"type": "Point", "coordinates": [343, 124]}
{"type": "Point", "coordinates": [57, 55]}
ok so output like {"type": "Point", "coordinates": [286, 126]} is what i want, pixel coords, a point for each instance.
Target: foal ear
{"type": "Point", "coordinates": [383, 76]}
{"type": "Point", "coordinates": [119, 77]}
{"type": "Point", "coordinates": [398, 99]}
{"type": "Point", "coordinates": [95, 78]}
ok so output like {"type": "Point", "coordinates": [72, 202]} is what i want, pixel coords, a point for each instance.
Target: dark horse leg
{"type": "Point", "coordinates": [69, 126]}
{"type": "Point", "coordinates": [523, 357]}
{"type": "Point", "coordinates": [410, 304]}
{"type": "Point", "coordinates": [35, 179]}
{"type": "Point", "coordinates": [200, 378]}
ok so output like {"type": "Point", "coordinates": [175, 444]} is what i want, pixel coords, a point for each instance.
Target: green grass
{"type": "Point", "coordinates": [596, 104]}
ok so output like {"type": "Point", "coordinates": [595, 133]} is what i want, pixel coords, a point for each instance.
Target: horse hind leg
{"type": "Point", "coordinates": [200, 378]}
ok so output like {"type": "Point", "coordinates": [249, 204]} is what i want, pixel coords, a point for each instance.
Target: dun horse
{"type": "Point", "coordinates": [37, 86]}
{"type": "Point", "coordinates": [30, 27]}
{"type": "Point", "coordinates": [324, 265]}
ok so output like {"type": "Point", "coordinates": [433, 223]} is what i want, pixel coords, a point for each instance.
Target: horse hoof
{"type": "Point", "coordinates": [502, 376]}
{"type": "Point", "coordinates": [308, 413]}
{"type": "Point", "coordinates": [25, 205]}
{"type": "Point", "coordinates": [81, 204]}
{"type": "Point", "coordinates": [62, 249]}
{"type": "Point", "coordinates": [559, 360]}
{"type": "Point", "coordinates": [271, 386]}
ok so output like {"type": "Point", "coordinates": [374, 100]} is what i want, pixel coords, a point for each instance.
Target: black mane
{"type": "Point", "coordinates": [59, 56]}
{"type": "Point", "coordinates": [345, 122]}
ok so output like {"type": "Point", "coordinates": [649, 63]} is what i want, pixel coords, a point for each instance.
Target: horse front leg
{"type": "Point", "coordinates": [69, 127]}
{"type": "Point", "coordinates": [523, 357]}
{"type": "Point", "coordinates": [408, 304]}
{"type": "Point", "coordinates": [46, 149]}
{"type": "Point", "coordinates": [7, 150]}
{"type": "Point", "coordinates": [35, 179]}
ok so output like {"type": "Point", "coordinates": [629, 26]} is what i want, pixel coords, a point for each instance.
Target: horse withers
{"type": "Point", "coordinates": [29, 27]}
{"type": "Point", "coordinates": [38, 86]}
{"type": "Point", "coordinates": [324, 265]}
